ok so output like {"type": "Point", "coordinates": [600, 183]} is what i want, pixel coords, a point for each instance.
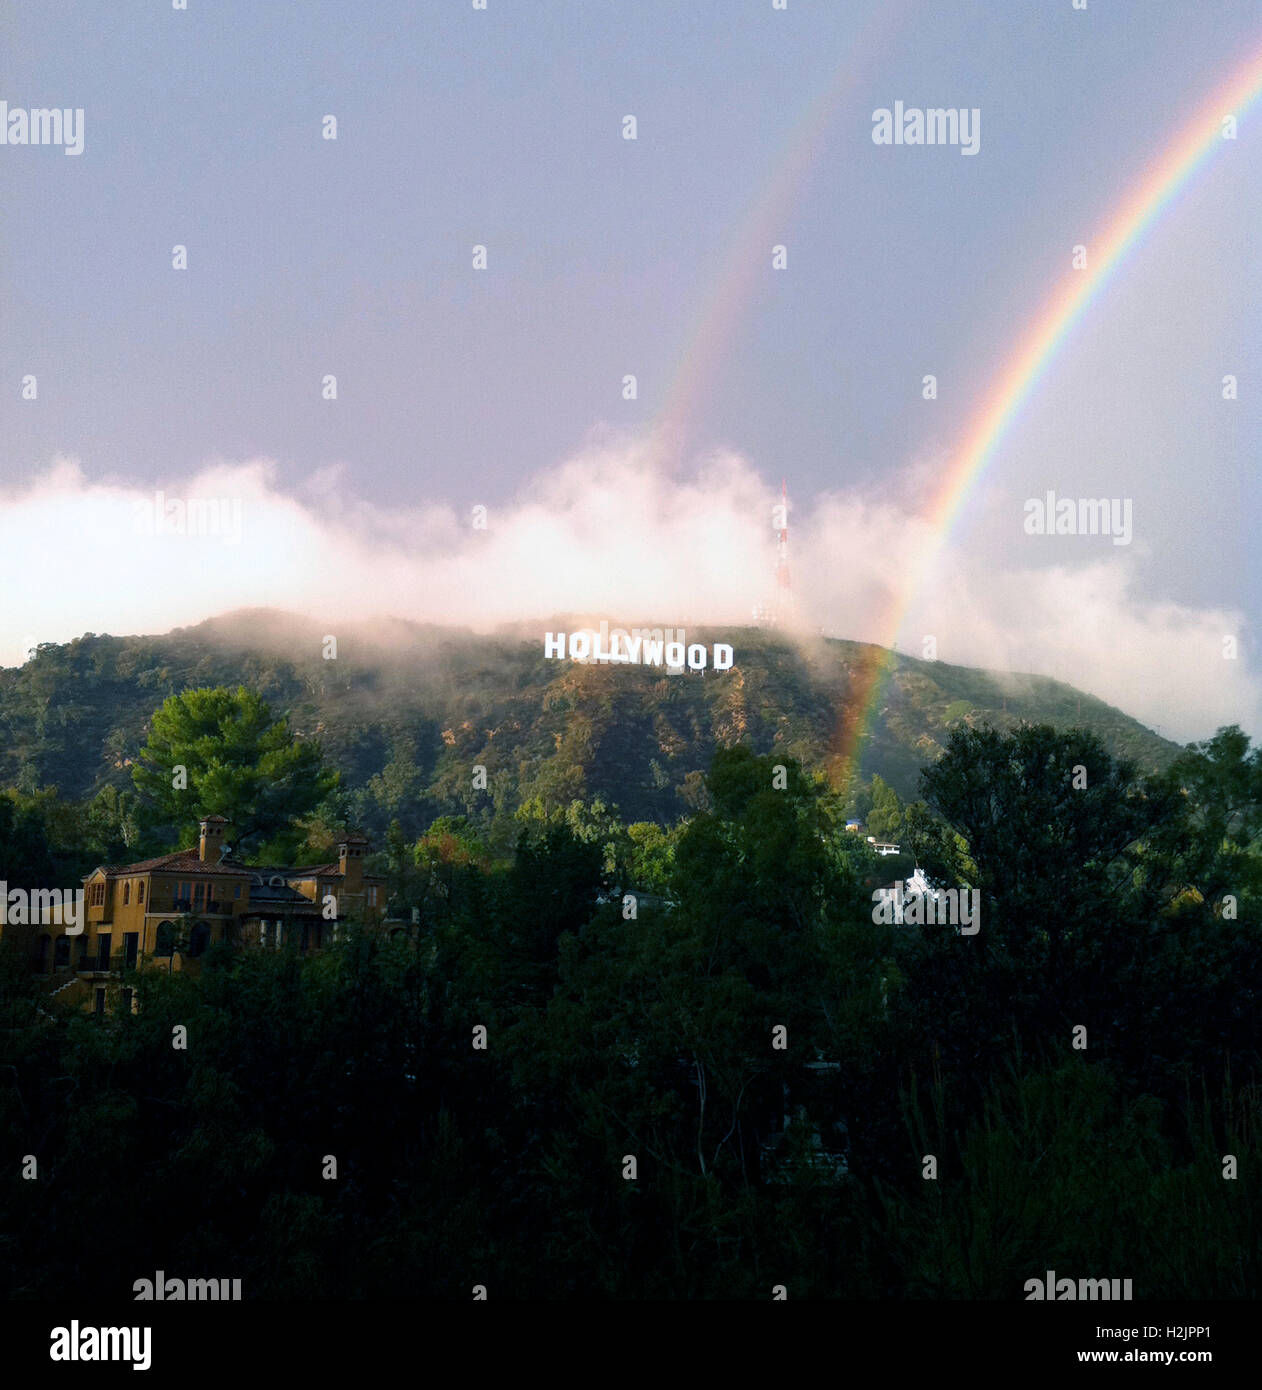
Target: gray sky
{"type": "Point", "coordinates": [605, 256]}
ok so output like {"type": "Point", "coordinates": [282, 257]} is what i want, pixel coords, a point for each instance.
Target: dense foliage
{"type": "Point", "coordinates": [632, 981]}
{"type": "Point", "coordinates": [222, 752]}
{"type": "Point", "coordinates": [404, 715]}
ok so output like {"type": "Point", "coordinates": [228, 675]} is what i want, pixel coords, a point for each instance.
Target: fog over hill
{"type": "Point", "coordinates": [618, 528]}
{"type": "Point", "coordinates": [405, 711]}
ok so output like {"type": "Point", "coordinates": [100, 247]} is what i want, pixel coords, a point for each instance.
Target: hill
{"type": "Point", "coordinates": [407, 711]}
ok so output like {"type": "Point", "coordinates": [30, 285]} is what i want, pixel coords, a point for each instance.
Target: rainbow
{"type": "Point", "coordinates": [1191, 149]}
{"type": "Point", "coordinates": [743, 268]}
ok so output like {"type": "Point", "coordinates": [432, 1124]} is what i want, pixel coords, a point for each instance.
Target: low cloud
{"type": "Point", "coordinates": [607, 531]}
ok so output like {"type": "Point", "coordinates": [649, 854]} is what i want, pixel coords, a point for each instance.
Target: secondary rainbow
{"type": "Point", "coordinates": [1190, 150]}
{"type": "Point", "coordinates": [767, 222]}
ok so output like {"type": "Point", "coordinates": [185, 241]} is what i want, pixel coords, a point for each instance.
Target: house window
{"type": "Point", "coordinates": [199, 896]}
{"type": "Point", "coordinates": [372, 897]}
{"type": "Point", "coordinates": [140, 896]}
{"type": "Point", "coordinates": [100, 1001]}
{"type": "Point", "coordinates": [126, 892]}
{"type": "Point", "coordinates": [61, 953]}
{"type": "Point", "coordinates": [96, 894]}
{"type": "Point", "coordinates": [199, 939]}
{"type": "Point", "coordinates": [236, 892]}
{"type": "Point", "coordinates": [125, 999]}
{"type": "Point", "coordinates": [103, 952]}
{"type": "Point", "coordinates": [131, 942]}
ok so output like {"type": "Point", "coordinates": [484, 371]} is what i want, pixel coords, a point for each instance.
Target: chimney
{"type": "Point", "coordinates": [210, 845]}
{"type": "Point", "coordinates": [350, 862]}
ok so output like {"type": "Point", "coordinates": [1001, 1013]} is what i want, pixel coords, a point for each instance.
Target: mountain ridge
{"type": "Point", "coordinates": [405, 710]}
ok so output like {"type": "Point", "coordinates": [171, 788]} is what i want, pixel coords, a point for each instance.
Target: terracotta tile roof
{"type": "Point", "coordinates": [186, 861]}
{"type": "Point", "coordinates": [183, 861]}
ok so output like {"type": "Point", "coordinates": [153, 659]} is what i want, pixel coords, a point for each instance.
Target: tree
{"type": "Point", "coordinates": [769, 845]}
{"type": "Point", "coordinates": [550, 890]}
{"type": "Point", "coordinates": [113, 826]}
{"type": "Point", "coordinates": [650, 856]}
{"type": "Point", "coordinates": [239, 760]}
{"type": "Point", "coordinates": [26, 858]}
{"type": "Point", "coordinates": [1215, 848]}
{"type": "Point", "coordinates": [886, 816]}
{"type": "Point", "coordinates": [447, 857]}
{"type": "Point", "coordinates": [1048, 818]}
{"type": "Point", "coordinates": [1055, 834]}
{"type": "Point", "coordinates": [935, 847]}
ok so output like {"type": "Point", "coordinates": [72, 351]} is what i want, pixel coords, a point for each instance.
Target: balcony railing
{"type": "Point", "coordinates": [94, 965]}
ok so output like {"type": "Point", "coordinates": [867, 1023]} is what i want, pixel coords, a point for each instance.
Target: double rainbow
{"type": "Point", "coordinates": [1166, 175]}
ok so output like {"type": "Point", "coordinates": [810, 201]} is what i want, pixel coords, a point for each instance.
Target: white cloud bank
{"type": "Point", "coordinates": [607, 532]}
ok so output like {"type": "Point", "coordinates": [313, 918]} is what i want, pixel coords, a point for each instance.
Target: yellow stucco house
{"type": "Point", "coordinates": [169, 910]}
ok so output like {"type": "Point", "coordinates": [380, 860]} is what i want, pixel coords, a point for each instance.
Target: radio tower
{"type": "Point", "coordinates": [782, 542]}
{"type": "Point", "coordinates": [769, 614]}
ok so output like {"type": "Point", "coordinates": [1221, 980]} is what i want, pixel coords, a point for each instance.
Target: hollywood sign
{"type": "Point", "coordinates": [641, 646]}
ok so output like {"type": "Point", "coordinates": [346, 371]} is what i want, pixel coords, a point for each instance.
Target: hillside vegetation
{"type": "Point", "coordinates": [406, 712]}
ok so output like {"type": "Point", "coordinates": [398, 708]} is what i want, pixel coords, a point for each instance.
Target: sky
{"type": "Point", "coordinates": [504, 388]}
